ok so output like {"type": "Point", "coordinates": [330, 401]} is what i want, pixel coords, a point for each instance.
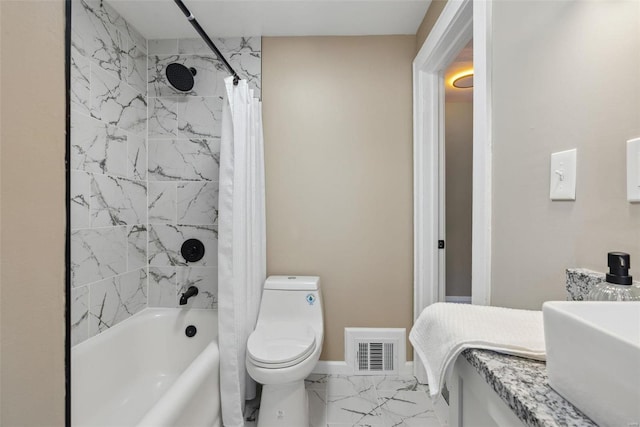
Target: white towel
{"type": "Point", "coordinates": [445, 330]}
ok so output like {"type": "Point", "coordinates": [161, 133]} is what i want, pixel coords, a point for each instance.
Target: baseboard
{"type": "Point", "coordinates": [340, 367]}
{"type": "Point", "coordinates": [459, 300]}
{"type": "Point", "coordinates": [407, 369]}
{"type": "Point", "coordinates": [332, 367]}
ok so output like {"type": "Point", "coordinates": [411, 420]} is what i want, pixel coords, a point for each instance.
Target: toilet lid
{"type": "Point", "coordinates": [280, 344]}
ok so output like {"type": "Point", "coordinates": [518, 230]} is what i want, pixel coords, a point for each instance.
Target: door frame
{"type": "Point", "coordinates": [458, 22]}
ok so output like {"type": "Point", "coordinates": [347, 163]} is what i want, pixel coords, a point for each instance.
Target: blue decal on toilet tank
{"type": "Point", "coordinates": [311, 299]}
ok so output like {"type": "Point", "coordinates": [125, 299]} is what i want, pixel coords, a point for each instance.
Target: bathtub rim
{"type": "Point", "coordinates": [153, 312]}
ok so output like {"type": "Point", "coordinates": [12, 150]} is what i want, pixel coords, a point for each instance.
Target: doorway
{"type": "Point", "coordinates": [458, 23]}
{"type": "Point", "coordinates": [456, 166]}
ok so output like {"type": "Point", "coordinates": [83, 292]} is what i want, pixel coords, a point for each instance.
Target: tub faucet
{"type": "Point", "coordinates": [191, 292]}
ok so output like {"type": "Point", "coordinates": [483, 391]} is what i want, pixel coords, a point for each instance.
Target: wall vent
{"type": "Point", "coordinates": [372, 351]}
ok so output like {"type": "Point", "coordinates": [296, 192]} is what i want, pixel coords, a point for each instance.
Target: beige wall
{"type": "Point", "coordinates": [429, 20]}
{"type": "Point", "coordinates": [564, 77]}
{"type": "Point", "coordinates": [459, 167]}
{"type": "Point", "coordinates": [0, 215]}
{"type": "Point", "coordinates": [32, 213]}
{"type": "Point", "coordinates": [338, 152]}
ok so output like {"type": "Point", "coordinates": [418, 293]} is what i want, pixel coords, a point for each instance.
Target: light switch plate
{"type": "Point", "coordinates": [633, 170]}
{"type": "Point", "coordinates": [563, 175]}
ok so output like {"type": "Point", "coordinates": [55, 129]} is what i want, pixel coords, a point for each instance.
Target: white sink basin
{"type": "Point", "coordinates": [593, 358]}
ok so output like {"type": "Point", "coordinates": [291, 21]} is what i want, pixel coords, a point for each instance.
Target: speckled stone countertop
{"type": "Point", "coordinates": [580, 281]}
{"type": "Point", "coordinates": [523, 385]}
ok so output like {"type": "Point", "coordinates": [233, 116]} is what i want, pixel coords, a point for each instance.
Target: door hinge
{"type": "Point", "coordinates": [440, 244]}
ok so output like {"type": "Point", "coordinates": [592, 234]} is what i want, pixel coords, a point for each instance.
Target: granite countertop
{"type": "Point", "coordinates": [523, 385]}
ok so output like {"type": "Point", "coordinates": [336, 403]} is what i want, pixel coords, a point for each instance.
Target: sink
{"type": "Point", "coordinates": [593, 358]}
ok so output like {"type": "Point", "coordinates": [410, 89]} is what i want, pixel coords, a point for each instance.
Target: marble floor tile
{"type": "Point", "coordinates": [316, 381]}
{"type": "Point", "coordinates": [353, 425]}
{"type": "Point", "coordinates": [407, 408]}
{"type": "Point", "coordinates": [342, 385]}
{"type": "Point", "coordinates": [317, 407]}
{"type": "Point", "coordinates": [360, 409]}
{"type": "Point", "coordinates": [366, 401]}
{"type": "Point", "coordinates": [394, 383]}
{"type": "Point", "coordinates": [251, 409]}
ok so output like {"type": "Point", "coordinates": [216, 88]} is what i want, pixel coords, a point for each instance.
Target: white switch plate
{"type": "Point", "coordinates": [563, 175]}
{"type": "Point", "coordinates": [633, 170]}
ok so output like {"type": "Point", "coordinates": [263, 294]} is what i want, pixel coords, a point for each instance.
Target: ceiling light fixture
{"type": "Point", "coordinates": [463, 80]}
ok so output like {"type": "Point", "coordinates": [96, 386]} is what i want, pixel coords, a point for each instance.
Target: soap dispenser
{"type": "Point", "coordinates": [618, 285]}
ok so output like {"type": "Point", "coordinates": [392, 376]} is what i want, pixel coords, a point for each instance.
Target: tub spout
{"type": "Point", "coordinates": [191, 292]}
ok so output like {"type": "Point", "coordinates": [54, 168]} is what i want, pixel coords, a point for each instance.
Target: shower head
{"type": "Point", "coordinates": [180, 76]}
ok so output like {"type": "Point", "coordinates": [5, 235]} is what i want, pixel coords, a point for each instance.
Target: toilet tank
{"type": "Point", "coordinates": [292, 299]}
{"type": "Point", "coordinates": [292, 283]}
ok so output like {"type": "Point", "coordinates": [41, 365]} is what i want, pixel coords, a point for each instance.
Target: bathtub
{"type": "Point", "coordinates": [145, 371]}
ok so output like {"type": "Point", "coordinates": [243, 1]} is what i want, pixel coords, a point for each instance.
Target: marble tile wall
{"type": "Point", "coordinates": [183, 163]}
{"type": "Point", "coordinates": [109, 170]}
{"type": "Point", "coordinates": [144, 160]}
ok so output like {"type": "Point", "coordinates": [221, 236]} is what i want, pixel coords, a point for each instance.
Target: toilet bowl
{"type": "Point", "coordinates": [285, 347]}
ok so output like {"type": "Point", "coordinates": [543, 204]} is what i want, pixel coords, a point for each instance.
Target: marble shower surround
{"type": "Point", "coordinates": [108, 169]}
{"type": "Point", "coordinates": [183, 162]}
{"type": "Point", "coordinates": [144, 168]}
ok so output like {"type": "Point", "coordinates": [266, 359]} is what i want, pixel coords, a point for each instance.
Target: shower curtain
{"type": "Point", "coordinates": [241, 243]}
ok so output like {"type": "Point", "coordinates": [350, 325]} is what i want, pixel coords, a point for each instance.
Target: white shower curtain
{"type": "Point", "coordinates": [241, 243]}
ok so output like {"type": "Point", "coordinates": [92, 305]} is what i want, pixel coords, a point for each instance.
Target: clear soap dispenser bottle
{"type": "Point", "coordinates": [618, 285]}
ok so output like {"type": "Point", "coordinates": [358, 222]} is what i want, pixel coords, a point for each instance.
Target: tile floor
{"type": "Point", "coordinates": [380, 401]}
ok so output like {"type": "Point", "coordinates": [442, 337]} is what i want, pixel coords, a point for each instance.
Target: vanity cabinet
{"type": "Point", "coordinates": [473, 403]}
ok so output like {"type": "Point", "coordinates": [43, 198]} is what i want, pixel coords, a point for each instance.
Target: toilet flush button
{"type": "Point", "coordinates": [311, 299]}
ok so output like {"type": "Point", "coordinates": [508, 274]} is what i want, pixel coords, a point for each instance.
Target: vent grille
{"type": "Point", "coordinates": [376, 356]}
{"type": "Point", "coordinates": [374, 351]}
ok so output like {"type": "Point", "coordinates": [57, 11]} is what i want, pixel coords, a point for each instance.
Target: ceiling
{"type": "Point", "coordinates": [460, 65]}
{"type": "Point", "coordinates": [160, 19]}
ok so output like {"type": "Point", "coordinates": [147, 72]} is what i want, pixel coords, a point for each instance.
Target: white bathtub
{"type": "Point", "coordinates": [145, 371]}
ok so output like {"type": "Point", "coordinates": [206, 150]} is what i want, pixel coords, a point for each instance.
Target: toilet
{"type": "Point", "coordinates": [285, 347]}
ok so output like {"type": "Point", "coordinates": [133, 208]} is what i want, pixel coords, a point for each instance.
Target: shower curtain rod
{"type": "Point", "coordinates": [207, 40]}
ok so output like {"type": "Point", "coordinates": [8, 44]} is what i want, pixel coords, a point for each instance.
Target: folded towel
{"type": "Point", "coordinates": [445, 330]}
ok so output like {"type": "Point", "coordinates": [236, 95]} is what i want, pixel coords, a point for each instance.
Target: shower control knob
{"type": "Point", "coordinates": [192, 250]}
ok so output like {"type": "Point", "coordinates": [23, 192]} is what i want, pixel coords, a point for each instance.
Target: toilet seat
{"type": "Point", "coordinates": [280, 344]}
